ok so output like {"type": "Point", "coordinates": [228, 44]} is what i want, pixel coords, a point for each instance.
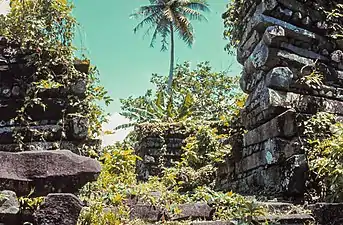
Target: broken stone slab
{"type": "Point", "coordinates": [282, 126]}
{"type": "Point", "coordinates": [287, 147]}
{"type": "Point", "coordinates": [261, 17]}
{"type": "Point", "coordinates": [62, 209]}
{"type": "Point", "coordinates": [327, 213]}
{"type": "Point", "coordinates": [194, 211]}
{"type": "Point", "coordinates": [284, 79]}
{"type": "Point", "coordinates": [46, 172]}
{"type": "Point", "coordinates": [271, 102]}
{"type": "Point", "coordinates": [266, 58]}
{"type": "Point", "coordinates": [277, 207]}
{"type": "Point", "coordinates": [147, 213]}
{"type": "Point", "coordinates": [259, 22]}
{"type": "Point", "coordinates": [272, 151]}
{"type": "Point", "coordinates": [265, 181]}
{"type": "Point", "coordinates": [9, 207]}
{"type": "Point", "coordinates": [278, 180]}
{"type": "Point", "coordinates": [275, 35]}
{"type": "Point", "coordinates": [243, 51]}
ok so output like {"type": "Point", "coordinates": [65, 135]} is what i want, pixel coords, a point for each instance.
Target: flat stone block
{"type": "Point", "coordinates": [46, 172]}
{"type": "Point", "coordinates": [283, 126]}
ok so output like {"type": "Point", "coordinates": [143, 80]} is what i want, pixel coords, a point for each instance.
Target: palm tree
{"type": "Point", "coordinates": [168, 16]}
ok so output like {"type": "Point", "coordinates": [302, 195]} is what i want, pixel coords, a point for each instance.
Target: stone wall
{"type": "Point", "coordinates": [160, 145]}
{"type": "Point", "coordinates": [42, 163]}
{"type": "Point", "coordinates": [283, 43]}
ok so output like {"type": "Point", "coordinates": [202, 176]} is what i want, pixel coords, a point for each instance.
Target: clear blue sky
{"type": "Point", "coordinates": [126, 61]}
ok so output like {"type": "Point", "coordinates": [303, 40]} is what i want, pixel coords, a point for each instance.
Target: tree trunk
{"type": "Point", "coordinates": [171, 69]}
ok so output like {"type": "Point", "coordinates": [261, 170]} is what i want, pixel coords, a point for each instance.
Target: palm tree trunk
{"type": "Point", "coordinates": [171, 69]}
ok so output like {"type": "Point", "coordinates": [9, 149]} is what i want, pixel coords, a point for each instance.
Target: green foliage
{"type": "Point", "coordinates": [165, 16]}
{"type": "Point", "coordinates": [234, 20]}
{"type": "Point", "coordinates": [312, 75]}
{"type": "Point", "coordinates": [30, 203]}
{"type": "Point", "coordinates": [233, 24]}
{"type": "Point", "coordinates": [325, 156]}
{"type": "Point", "coordinates": [333, 11]}
{"type": "Point", "coordinates": [27, 203]}
{"type": "Point", "coordinates": [45, 32]}
{"type": "Point", "coordinates": [201, 154]}
{"type": "Point", "coordinates": [198, 94]}
{"type": "Point", "coordinates": [189, 180]}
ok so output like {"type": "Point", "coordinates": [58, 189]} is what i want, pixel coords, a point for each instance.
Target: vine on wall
{"type": "Point", "coordinates": [43, 32]}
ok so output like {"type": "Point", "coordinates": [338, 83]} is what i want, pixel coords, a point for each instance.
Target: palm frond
{"type": "Point", "coordinates": [200, 5]}
{"type": "Point", "coordinates": [167, 13]}
{"type": "Point", "coordinates": [162, 28]}
{"type": "Point", "coordinates": [184, 29]}
{"type": "Point", "coordinates": [148, 20]}
{"type": "Point", "coordinates": [146, 11]}
{"type": "Point", "coordinates": [193, 14]}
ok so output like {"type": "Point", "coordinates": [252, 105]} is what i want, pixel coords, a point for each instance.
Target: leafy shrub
{"type": "Point", "coordinates": [190, 180]}
{"type": "Point", "coordinates": [198, 94]}
{"type": "Point", "coordinates": [44, 32]}
{"type": "Point", "coordinates": [325, 156]}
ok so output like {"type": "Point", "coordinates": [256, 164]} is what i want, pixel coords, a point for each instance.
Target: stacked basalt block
{"type": "Point", "coordinates": [284, 41]}
{"type": "Point", "coordinates": [160, 146]}
{"type": "Point", "coordinates": [44, 163]}
{"type": "Point", "coordinates": [15, 75]}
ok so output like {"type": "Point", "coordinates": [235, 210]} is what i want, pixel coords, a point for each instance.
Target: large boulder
{"type": "Point", "coordinates": [61, 209]}
{"type": "Point", "coordinates": [9, 207]}
{"type": "Point", "coordinates": [46, 172]}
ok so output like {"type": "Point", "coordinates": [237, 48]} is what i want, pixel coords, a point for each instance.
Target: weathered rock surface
{"type": "Point", "coordinates": [292, 69]}
{"type": "Point", "coordinates": [9, 207]}
{"type": "Point", "coordinates": [61, 209]}
{"type": "Point", "coordinates": [328, 213]}
{"type": "Point", "coordinates": [147, 213]}
{"type": "Point", "coordinates": [194, 211]}
{"type": "Point", "coordinates": [46, 171]}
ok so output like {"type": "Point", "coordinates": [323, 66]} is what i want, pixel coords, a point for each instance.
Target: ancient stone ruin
{"type": "Point", "coordinates": [43, 162]}
{"type": "Point", "coordinates": [158, 149]}
{"type": "Point", "coordinates": [283, 44]}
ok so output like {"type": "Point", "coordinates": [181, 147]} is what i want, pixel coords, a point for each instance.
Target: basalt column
{"type": "Point", "coordinates": [285, 44]}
